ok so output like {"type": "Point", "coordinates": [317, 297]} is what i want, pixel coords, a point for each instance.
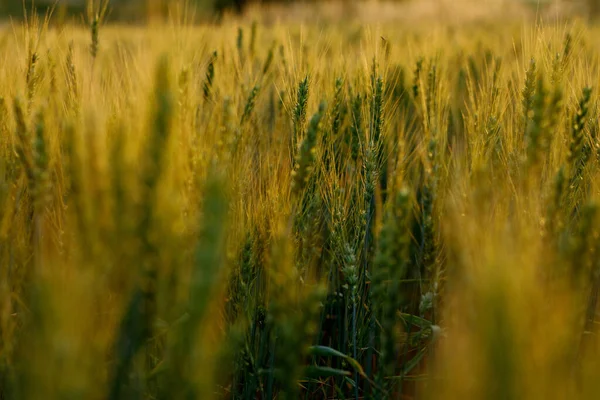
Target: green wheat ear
{"type": "Point", "coordinates": [535, 140]}
{"type": "Point", "coordinates": [339, 108]}
{"type": "Point", "coordinates": [561, 60]}
{"type": "Point", "coordinates": [269, 59]}
{"type": "Point", "coordinates": [240, 45]}
{"type": "Point", "coordinates": [306, 155]}
{"type": "Point", "coordinates": [250, 103]}
{"type": "Point", "coordinates": [96, 14]}
{"type": "Point", "coordinates": [253, 34]}
{"type": "Point", "coordinates": [579, 148]}
{"type": "Point", "coordinates": [528, 91]}
{"type": "Point", "coordinates": [299, 113]}
{"type": "Point", "coordinates": [210, 77]}
{"type": "Point", "coordinates": [357, 135]}
{"type": "Point", "coordinates": [432, 84]}
{"type": "Point", "coordinates": [377, 115]}
{"type": "Point", "coordinates": [94, 28]}
{"type": "Point", "coordinates": [41, 184]}
{"type": "Point", "coordinates": [416, 88]}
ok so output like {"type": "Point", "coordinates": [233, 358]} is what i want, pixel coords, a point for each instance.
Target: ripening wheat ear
{"type": "Point", "coordinates": [34, 29]}
{"type": "Point", "coordinates": [23, 146]}
{"type": "Point", "coordinates": [73, 92]}
{"type": "Point", "coordinates": [52, 72]}
{"type": "Point", "coordinates": [32, 77]}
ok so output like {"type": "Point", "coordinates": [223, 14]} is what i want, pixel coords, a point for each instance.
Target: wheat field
{"type": "Point", "coordinates": [283, 211]}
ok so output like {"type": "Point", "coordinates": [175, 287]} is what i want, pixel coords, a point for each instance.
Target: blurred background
{"type": "Point", "coordinates": [142, 10]}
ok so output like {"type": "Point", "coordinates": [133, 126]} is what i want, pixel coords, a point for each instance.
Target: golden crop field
{"type": "Point", "coordinates": [277, 210]}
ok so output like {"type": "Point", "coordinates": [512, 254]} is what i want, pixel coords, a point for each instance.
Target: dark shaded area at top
{"type": "Point", "coordinates": [122, 10]}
